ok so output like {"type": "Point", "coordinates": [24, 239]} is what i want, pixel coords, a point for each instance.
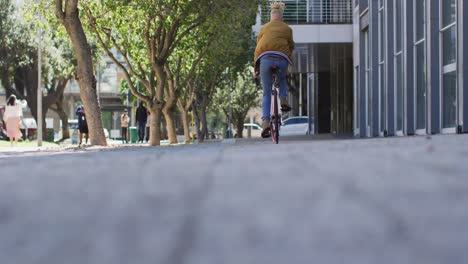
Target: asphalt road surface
{"type": "Point", "coordinates": [364, 201]}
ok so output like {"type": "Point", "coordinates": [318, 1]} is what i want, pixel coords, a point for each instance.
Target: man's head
{"type": "Point", "coordinates": [277, 9]}
{"type": "Point", "coordinates": [80, 108]}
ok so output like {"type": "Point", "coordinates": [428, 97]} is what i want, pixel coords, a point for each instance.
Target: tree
{"type": "Point", "coordinates": [230, 52]}
{"type": "Point", "coordinates": [182, 84]}
{"type": "Point", "coordinates": [183, 72]}
{"type": "Point", "coordinates": [69, 17]}
{"type": "Point", "coordinates": [11, 44]}
{"type": "Point", "coordinates": [146, 33]}
{"type": "Point", "coordinates": [244, 95]}
{"type": "Point", "coordinates": [19, 70]}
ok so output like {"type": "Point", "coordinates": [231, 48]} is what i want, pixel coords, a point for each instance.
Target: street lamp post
{"type": "Point", "coordinates": [39, 83]}
{"type": "Point", "coordinates": [230, 110]}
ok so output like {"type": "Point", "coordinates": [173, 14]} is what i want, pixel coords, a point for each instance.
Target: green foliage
{"type": "Point", "coordinates": [14, 42]}
{"type": "Point", "coordinates": [232, 48]}
{"type": "Point", "coordinates": [243, 92]}
{"type": "Point", "coordinates": [58, 58]}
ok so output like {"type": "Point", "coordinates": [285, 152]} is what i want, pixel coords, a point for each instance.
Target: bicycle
{"type": "Point", "coordinates": [275, 120]}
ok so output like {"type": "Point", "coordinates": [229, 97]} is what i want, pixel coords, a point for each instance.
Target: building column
{"type": "Point", "coordinates": [389, 69]}
{"type": "Point", "coordinates": [374, 72]}
{"type": "Point", "coordinates": [362, 104]}
{"type": "Point", "coordinates": [433, 69]}
{"type": "Point", "coordinates": [463, 60]}
{"type": "Point", "coordinates": [355, 73]}
{"type": "Point", "coordinates": [409, 70]}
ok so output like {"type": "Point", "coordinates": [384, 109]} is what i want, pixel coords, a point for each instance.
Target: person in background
{"type": "Point", "coordinates": [148, 124]}
{"type": "Point", "coordinates": [124, 120]}
{"type": "Point", "coordinates": [12, 117]}
{"type": "Point", "coordinates": [82, 124]}
{"type": "Point", "coordinates": [141, 118]}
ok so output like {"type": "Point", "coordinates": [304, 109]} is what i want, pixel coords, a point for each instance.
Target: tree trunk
{"type": "Point", "coordinates": [186, 124]}
{"type": "Point", "coordinates": [64, 118]}
{"type": "Point", "coordinates": [240, 127]}
{"type": "Point", "coordinates": [155, 126]}
{"type": "Point", "coordinates": [65, 129]}
{"type": "Point", "coordinates": [84, 72]}
{"type": "Point", "coordinates": [171, 131]}
{"type": "Point", "coordinates": [196, 116]}
{"type": "Point", "coordinates": [44, 125]}
{"type": "Point", "coordinates": [168, 112]}
{"type": "Point", "coordinates": [204, 124]}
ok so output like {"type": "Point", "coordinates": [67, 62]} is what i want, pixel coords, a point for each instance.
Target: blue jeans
{"type": "Point", "coordinates": [267, 82]}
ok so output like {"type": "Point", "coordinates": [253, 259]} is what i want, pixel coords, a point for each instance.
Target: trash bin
{"type": "Point", "coordinates": [49, 135]}
{"type": "Point", "coordinates": [228, 133]}
{"type": "Point", "coordinates": [74, 137]}
{"type": "Point", "coordinates": [133, 134]}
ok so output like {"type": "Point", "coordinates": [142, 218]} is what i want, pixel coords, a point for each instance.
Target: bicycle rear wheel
{"type": "Point", "coordinates": [275, 135]}
{"type": "Point", "coordinates": [275, 122]}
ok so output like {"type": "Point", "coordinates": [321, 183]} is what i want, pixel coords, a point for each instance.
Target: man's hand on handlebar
{"type": "Point", "coordinates": [256, 70]}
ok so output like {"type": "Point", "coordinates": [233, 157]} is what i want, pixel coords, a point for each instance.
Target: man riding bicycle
{"type": "Point", "coordinates": [274, 49]}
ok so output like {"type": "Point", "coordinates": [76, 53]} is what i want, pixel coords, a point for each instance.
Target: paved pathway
{"type": "Point", "coordinates": [393, 200]}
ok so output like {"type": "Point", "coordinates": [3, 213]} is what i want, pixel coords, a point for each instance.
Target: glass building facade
{"type": "Point", "coordinates": [409, 73]}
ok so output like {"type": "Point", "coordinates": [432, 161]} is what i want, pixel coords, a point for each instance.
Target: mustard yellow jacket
{"type": "Point", "coordinates": [275, 36]}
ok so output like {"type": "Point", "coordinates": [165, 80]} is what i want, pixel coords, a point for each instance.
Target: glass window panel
{"type": "Point", "coordinates": [449, 12]}
{"type": "Point", "coordinates": [381, 3]}
{"type": "Point", "coordinates": [449, 45]}
{"type": "Point", "coordinates": [302, 121]}
{"type": "Point", "coordinates": [449, 99]}
{"type": "Point", "coordinates": [399, 91]}
{"type": "Point", "coordinates": [367, 47]}
{"type": "Point", "coordinates": [420, 18]}
{"type": "Point", "coordinates": [399, 24]}
{"type": "Point", "coordinates": [381, 36]}
{"type": "Point", "coordinates": [420, 87]}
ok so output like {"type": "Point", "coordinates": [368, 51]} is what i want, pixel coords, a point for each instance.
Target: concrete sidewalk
{"type": "Point", "coordinates": [391, 200]}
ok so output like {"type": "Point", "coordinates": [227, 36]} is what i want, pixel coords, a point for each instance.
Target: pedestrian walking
{"type": "Point", "coordinates": [148, 124]}
{"type": "Point", "coordinates": [12, 117]}
{"type": "Point", "coordinates": [82, 124]}
{"type": "Point", "coordinates": [124, 120]}
{"type": "Point", "coordinates": [141, 118]}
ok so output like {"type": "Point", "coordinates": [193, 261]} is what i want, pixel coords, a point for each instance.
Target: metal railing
{"type": "Point", "coordinates": [313, 12]}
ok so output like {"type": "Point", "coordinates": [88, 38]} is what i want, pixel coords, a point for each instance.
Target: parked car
{"type": "Point", "coordinates": [293, 126]}
{"type": "Point", "coordinates": [256, 131]}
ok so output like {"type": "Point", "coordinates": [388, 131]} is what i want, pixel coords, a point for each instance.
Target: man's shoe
{"type": "Point", "coordinates": [266, 128]}
{"type": "Point", "coordinates": [284, 104]}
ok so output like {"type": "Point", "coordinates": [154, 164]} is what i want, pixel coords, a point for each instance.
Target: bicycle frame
{"type": "Point", "coordinates": [275, 120]}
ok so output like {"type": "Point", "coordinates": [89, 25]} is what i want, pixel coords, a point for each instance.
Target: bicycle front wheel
{"type": "Point", "coordinates": [275, 135]}
{"type": "Point", "coordinates": [275, 122]}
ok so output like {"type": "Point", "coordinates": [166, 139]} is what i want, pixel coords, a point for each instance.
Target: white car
{"type": "Point", "coordinates": [293, 126]}
{"type": "Point", "coordinates": [256, 130]}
